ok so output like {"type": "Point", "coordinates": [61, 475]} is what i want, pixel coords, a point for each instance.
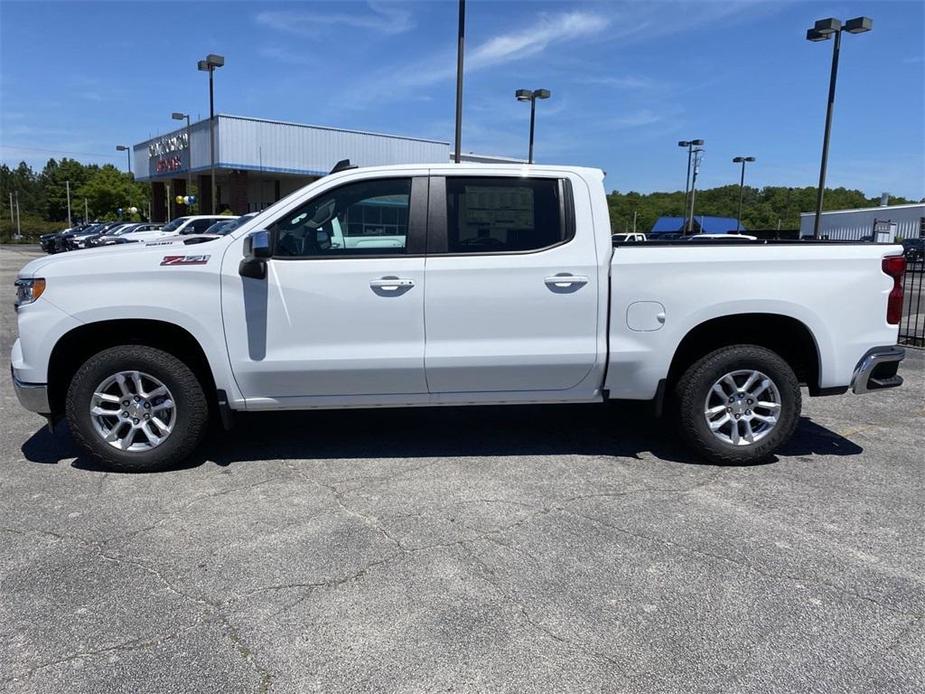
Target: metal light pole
{"type": "Point", "coordinates": [689, 144]}
{"type": "Point", "coordinates": [128, 155]}
{"type": "Point", "coordinates": [460, 47]}
{"type": "Point", "coordinates": [189, 149]}
{"type": "Point", "coordinates": [823, 30]}
{"type": "Point", "coordinates": [690, 218]}
{"type": "Point", "coordinates": [531, 96]}
{"type": "Point", "coordinates": [741, 160]}
{"type": "Point", "coordinates": [67, 187]}
{"type": "Point", "coordinates": [18, 218]}
{"type": "Point", "coordinates": [209, 65]}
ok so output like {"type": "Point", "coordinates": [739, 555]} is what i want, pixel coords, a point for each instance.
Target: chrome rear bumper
{"type": "Point", "coordinates": [878, 369]}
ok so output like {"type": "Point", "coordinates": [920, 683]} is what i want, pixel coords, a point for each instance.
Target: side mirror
{"type": "Point", "coordinates": [257, 249]}
{"type": "Point", "coordinates": [257, 244]}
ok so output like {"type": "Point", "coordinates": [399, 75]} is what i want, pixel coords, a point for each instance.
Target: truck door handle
{"type": "Point", "coordinates": [566, 280]}
{"type": "Point", "coordinates": [391, 284]}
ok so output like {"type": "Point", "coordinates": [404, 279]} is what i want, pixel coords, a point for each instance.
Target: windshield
{"type": "Point", "coordinates": [175, 224]}
{"type": "Point", "coordinates": [126, 229]}
{"type": "Point", "coordinates": [220, 228]}
{"type": "Point", "coordinates": [229, 225]}
{"type": "Point", "coordinates": [102, 229]}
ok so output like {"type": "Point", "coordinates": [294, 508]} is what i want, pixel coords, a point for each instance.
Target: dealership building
{"type": "Point", "coordinates": [884, 223]}
{"type": "Point", "coordinates": [258, 161]}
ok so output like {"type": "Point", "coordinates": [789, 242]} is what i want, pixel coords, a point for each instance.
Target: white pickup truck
{"type": "Point", "coordinates": [176, 228]}
{"type": "Point", "coordinates": [449, 285]}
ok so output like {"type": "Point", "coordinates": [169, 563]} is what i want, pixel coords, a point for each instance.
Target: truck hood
{"type": "Point", "coordinates": [182, 240]}
{"type": "Point", "coordinates": [106, 259]}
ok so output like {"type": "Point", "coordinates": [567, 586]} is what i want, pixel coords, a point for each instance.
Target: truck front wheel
{"type": "Point", "coordinates": [738, 404]}
{"type": "Point", "coordinates": [136, 408]}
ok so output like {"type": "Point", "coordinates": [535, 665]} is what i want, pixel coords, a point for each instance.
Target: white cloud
{"type": "Point", "coordinates": [638, 119]}
{"type": "Point", "coordinates": [622, 82]}
{"type": "Point", "coordinates": [383, 18]}
{"type": "Point", "coordinates": [534, 39]}
{"type": "Point", "coordinates": [549, 29]}
{"type": "Point", "coordinates": [284, 56]}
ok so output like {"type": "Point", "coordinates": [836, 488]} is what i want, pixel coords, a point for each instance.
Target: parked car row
{"type": "Point", "coordinates": [914, 250]}
{"type": "Point", "coordinates": [114, 233]}
{"type": "Point", "coordinates": [84, 235]}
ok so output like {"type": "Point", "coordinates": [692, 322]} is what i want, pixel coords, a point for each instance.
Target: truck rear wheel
{"type": "Point", "coordinates": [738, 404]}
{"type": "Point", "coordinates": [136, 408]}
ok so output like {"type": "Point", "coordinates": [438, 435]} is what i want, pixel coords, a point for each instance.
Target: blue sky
{"type": "Point", "coordinates": [628, 80]}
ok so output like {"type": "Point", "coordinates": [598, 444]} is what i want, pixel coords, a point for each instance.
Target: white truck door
{"type": "Point", "coordinates": [511, 302]}
{"type": "Point", "coordinates": [330, 320]}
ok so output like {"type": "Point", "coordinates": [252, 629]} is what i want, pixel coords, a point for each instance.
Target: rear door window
{"type": "Point", "coordinates": [503, 214]}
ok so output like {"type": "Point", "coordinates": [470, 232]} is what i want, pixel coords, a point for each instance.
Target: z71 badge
{"type": "Point", "coordinates": [185, 259]}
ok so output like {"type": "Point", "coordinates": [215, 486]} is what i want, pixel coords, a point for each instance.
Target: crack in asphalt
{"type": "Point", "coordinates": [209, 607]}
{"type": "Point", "coordinates": [403, 550]}
{"type": "Point", "coordinates": [174, 514]}
{"type": "Point", "coordinates": [743, 563]}
{"type": "Point", "coordinates": [399, 474]}
{"type": "Point", "coordinates": [247, 653]}
{"type": "Point", "coordinates": [124, 646]}
{"type": "Point", "coordinates": [214, 612]}
{"type": "Point", "coordinates": [531, 621]}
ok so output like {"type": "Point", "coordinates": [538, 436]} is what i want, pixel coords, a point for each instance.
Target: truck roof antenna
{"type": "Point", "coordinates": [343, 165]}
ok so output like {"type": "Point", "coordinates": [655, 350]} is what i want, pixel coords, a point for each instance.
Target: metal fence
{"type": "Point", "coordinates": [912, 325]}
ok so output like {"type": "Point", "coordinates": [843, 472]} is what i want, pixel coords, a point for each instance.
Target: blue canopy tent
{"type": "Point", "coordinates": [703, 224]}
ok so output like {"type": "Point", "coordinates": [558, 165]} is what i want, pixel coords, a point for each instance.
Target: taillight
{"type": "Point", "coordinates": [894, 266]}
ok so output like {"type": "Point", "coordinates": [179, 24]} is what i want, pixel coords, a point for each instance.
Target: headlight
{"type": "Point", "coordinates": [29, 290]}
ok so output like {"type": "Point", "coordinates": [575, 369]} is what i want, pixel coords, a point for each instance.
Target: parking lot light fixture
{"type": "Point", "coordinates": [210, 64]}
{"type": "Point", "coordinates": [827, 26]}
{"type": "Point", "coordinates": [128, 155]}
{"type": "Point", "coordinates": [822, 30]}
{"type": "Point", "coordinates": [813, 35]}
{"type": "Point", "coordinates": [859, 25]}
{"type": "Point", "coordinates": [742, 161]}
{"type": "Point", "coordinates": [531, 96]}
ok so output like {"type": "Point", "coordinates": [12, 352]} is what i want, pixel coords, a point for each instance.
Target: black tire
{"type": "Point", "coordinates": [192, 408]}
{"type": "Point", "coordinates": [694, 386]}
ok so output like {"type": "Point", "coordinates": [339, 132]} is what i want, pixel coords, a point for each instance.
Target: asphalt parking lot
{"type": "Point", "coordinates": [527, 549]}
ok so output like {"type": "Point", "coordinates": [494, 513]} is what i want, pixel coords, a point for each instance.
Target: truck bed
{"type": "Point", "coordinates": [661, 291]}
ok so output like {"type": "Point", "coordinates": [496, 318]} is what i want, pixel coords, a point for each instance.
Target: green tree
{"type": "Point", "coordinates": [54, 179]}
{"type": "Point", "coordinates": [771, 207]}
{"type": "Point", "coordinates": [109, 190]}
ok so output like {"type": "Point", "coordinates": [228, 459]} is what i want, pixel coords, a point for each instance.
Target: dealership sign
{"type": "Point", "coordinates": [168, 154]}
{"type": "Point", "coordinates": [171, 143]}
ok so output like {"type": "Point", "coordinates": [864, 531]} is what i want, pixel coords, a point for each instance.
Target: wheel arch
{"type": "Point", "coordinates": [787, 336]}
{"type": "Point", "coordinates": [79, 344]}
